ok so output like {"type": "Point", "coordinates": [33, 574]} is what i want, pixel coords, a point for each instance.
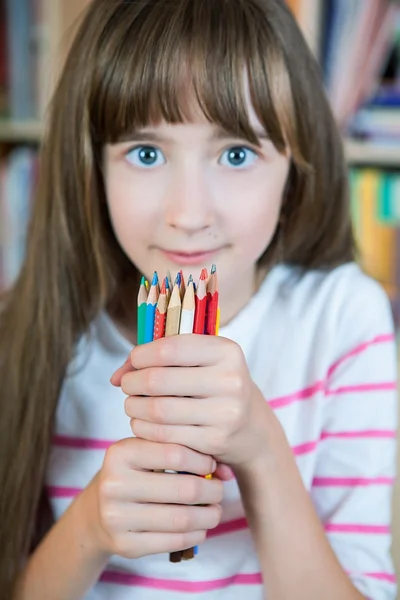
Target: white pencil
{"type": "Point", "coordinates": [188, 309]}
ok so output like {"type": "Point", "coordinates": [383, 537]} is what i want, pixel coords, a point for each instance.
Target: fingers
{"type": "Point", "coordinates": [135, 545]}
{"type": "Point", "coordinates": [164, 518]}
{"type": "Point", "coordinates": [164, 488]}
{"type": "Point", "coordinates": [141, 454]}
{"type": "Point", "coordinates": [181, 350]}
{"type": "Point", "coordinates": [192, 436]}
{"type": "Point", "coordinates": [176, 381]}
{"type": "Point", "coordinates": [172, 410]}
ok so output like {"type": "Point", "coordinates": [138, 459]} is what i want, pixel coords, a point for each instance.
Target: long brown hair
{"type": "Point", "coordinates": [127, 67]}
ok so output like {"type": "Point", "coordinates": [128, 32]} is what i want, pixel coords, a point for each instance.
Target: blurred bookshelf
{"type": "Point", "coordinates": [357, 44]}
{"type": "Point", "coordinates": [18, 132]}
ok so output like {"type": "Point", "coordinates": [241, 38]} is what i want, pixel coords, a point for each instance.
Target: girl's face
{"type": "Point", "coordinates": [188, 195]}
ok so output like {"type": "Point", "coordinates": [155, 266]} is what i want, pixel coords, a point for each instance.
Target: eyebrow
{"type": "Point", "coordinates": [150, 136]}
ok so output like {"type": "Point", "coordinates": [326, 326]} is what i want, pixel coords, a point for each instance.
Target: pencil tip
{"type": "Point", "coordinates": [204, 274]}
{"type": "Point", "coordinates": [166, 281]}
{"type": "Point", "coordinates": [163, 288]}
{"type": "Point", "coordinates": [155, 278]}
{"type": "Point", "coordinates": [213, 269]}
{"type": "Point", "coordinates": [178, 279]}
{"type": "Point", "coordinates": [143, 281]}
{"type": "Point", "coordinates": [190, 280]}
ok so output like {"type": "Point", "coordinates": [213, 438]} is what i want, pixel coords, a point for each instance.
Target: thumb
{"type": "Point", "coordinates": [223, 472]}
{"type": "Point", "coordinates": [119, 373]}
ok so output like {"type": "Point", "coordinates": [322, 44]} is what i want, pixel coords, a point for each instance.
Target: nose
{"type": "Point", "coordinates": [189, 205]}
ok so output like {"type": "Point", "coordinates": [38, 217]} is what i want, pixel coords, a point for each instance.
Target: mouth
{"type": "Point", "coordinates": [197, 257]}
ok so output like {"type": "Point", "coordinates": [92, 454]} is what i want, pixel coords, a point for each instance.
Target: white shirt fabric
{"type": "Point", "coordinates": [322, 350]}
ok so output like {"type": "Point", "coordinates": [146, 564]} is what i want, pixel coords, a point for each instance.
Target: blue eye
{"type": "Point", "coordinates": [146, 157]}
{"type": "Point", "coordinates": [239, 157]}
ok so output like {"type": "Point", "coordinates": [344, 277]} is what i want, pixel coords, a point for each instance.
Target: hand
{"type": "Point", "coordinates": [140, 512]}
{"type": "Point", "coordinates": [195, 391]}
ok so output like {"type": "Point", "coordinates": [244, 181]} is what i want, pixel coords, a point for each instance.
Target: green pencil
{"type": "Point", "coordinates": [142, 308]}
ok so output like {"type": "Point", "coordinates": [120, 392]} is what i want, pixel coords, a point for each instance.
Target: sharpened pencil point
{"type": "Point", "coordinates": [143, 281]}
{"type": "Point", "coordinates": [190, 280]}
{"type": "Point", "coordinates": [155, 278]}
{"type": "Point", "coordinates": [213, 269]}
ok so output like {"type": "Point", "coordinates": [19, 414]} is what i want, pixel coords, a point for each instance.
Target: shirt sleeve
{"type": "Point", "coordinates": [356, 461]}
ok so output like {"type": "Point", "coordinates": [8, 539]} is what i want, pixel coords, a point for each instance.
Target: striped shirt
{"type": "Point", "coordinates": [322, 350]}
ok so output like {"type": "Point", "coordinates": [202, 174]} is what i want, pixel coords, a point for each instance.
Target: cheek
{"type": "Point", "coordinates": [255, 215]}
{"type": "Point", "coordinates": [256, 228]}
{"type": "Point", "coordinates": [130, 213]}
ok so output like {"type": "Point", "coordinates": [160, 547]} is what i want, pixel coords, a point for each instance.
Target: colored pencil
{"type": "Point", "coordinates": [174, 312]}
{"type": "Point", "coordinates": [168, 288]}
{"type": "Point", "coordinates": [201, 304]}
{"type": "Point", "coordinates": [172, 328]}
{"type": "Point", "coordinates": [142, 310]}
{"type": "Point", "coordinates": [169, 277]}
{"type": "Point", "coordinates": [212, 303]}
{"type": "Point", "coordinates": [188, 309]}
{"type": "Point", "coordinates": [161, 313]}
{"type": "Point", "coordinates": [182, 285]}
{"type": "Point", "coordinates": [151, 309]}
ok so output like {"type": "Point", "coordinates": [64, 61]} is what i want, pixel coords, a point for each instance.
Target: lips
{"type": "Point", "coordinates": [189, 258]}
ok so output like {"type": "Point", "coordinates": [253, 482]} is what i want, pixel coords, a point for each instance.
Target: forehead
{"type": "Point", "coordinates": [196, 121]}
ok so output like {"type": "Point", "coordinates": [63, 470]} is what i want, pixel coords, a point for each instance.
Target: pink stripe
{"type": "Point", "coordinates": [367, 387]}
{"type": "Point", "coordinates": [305, 394]}
{"type": "Point", "coordinates": [391, 578]}
{"type": "Point", "coordinates": [351, 481]}
{"type": "Point", "coordinates": [228, 527]}
{"type": "Point", "coordinates": [352, 528]}
{"type": "Point", "coordinates": [305, 448]}
{"type": "Point", "coordinates": [380, 339]}
{"type": "Point", "coordinates": [63, 492]}
{"type": "Point", "coordinates": [368, 433]}
{"type": "Point", "coordinates": [79, 443]}
{"type": "Point", "coordinates": [176, 585]}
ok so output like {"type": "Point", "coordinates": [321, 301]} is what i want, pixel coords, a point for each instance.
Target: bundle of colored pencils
{"type": "Point", "coordinates": [174, 310]}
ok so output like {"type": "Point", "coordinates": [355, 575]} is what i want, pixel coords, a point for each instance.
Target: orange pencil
{"type": "Point", "coordinates": [201, 304]}
{"type": "Point", "coordinates": [161, 314]}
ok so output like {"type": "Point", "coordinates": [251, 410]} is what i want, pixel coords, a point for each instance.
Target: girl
{"type": "Point", "coordinates": [185, 132]}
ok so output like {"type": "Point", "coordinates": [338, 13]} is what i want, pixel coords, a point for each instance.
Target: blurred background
{"type": "Point", "coordinates": [357, 44]}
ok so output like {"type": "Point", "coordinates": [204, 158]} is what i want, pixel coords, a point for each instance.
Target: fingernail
{"type": "Point", "coordinates": [214, 466]}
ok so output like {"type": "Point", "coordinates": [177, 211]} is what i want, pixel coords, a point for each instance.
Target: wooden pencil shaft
{"type": "Point", "coordinates": [173, 321]}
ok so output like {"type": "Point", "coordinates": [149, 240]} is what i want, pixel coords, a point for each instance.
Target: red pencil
{"type": "Point", "coordinates": [161, 314]}
{"type": "Point", "coordinates": [212, 302]}
{"type": "Point", "coordinates": [201, 304]}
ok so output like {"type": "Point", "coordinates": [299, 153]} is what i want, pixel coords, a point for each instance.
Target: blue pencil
{"type": "Point", "coordinates": [151, 310]}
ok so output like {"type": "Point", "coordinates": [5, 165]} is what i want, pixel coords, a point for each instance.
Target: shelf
{"type": "Point", "coordinates": [364, 153]}
{"type": "Point", "coordinates": [20, 131]}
